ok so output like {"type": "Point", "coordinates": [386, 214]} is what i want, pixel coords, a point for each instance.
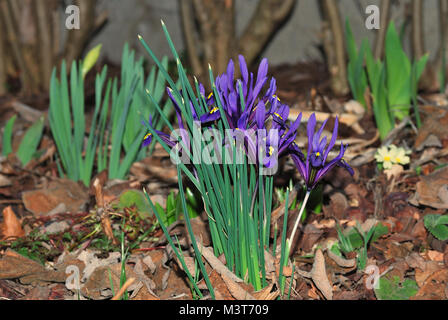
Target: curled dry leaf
{"type": "Point", "coordinates": [326, 223]}
{"type": "Point", "coordinates": [149, 263]}
{"type": "Point", "coordinates": [268, 293]}
{"type": "Point", "coordinates": [236, 290]}
{"type": "Point", "coordinates": [319, 275]}
{"type": "Point", "coordinates": [342, 262]}
{"type": "Point", "coordinates": [430, 189]}
{"type": "Point", "coordinates": [216, 264]}
{"type": "Point", "coordinates": [11, 226]}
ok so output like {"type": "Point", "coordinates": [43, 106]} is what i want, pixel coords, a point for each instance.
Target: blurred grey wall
{"type": "Point", "coordinates": [296, 41]}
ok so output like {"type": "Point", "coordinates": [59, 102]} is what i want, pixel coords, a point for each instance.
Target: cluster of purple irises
{"type": "Point", "coordinates": [248, 109]}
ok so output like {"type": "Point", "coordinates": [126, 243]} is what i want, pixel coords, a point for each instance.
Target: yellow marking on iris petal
{"type": "Point", "coordinates": [275, 96]}
{"type": "Point", "coordinates": [275, 113]}
{"type": "Point", "coordinates": [210, 95]}
{"type": "Point", "coordinates": [147, 136]}
{"type": "Point", "coordinates": [317, 154]}
{"type": "Point", "coordinates": [271, 150]}
{"type": "Point", "coordinates": [215, 109]}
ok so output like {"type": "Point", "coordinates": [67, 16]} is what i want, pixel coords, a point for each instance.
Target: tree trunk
{"type": "Point", "coordinates": [216, 41]}
{"type": "Point", "coordinates": [3, 75]}
{"type": "Point", "coordinates": [265, 22]}
{"type": "Point", "coordinates": [381, 33]}
{"type": "Point", "coordinates": [429, 79]}
{"type": "Point", "coordinates": [8, 16]}
{"type": "Point", "coordinates": [191, 43]}
{"type": "Point", "coordinates": [418, 45]}
{"type": "Point", "coordinates": [45, 45]}
{"type": "Point", "coordinates": [443, 47]}
{"type": "Point", "coordinates": [333, 38]}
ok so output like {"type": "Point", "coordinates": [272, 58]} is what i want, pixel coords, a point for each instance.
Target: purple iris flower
{"type": "Point", "coordinates": [314, 167]}
{"type": "Point", "coordinates": [276, 141]}
{"type": "Point", "coordinates": [229, 92]}
{"type": "Point", "coordinates": [147, 139]}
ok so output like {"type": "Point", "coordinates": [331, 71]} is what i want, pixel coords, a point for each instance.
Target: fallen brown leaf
{"type": "Point", "coordinates": [338, 205]}
{"type": "Point", "coordinates": [423, 268]}
{"type": "Point", "coordinates": [394, 171]}
{"type": "Point", "coordinates": [11, 226]}
{"type": "Point", "coordinates": [220, 287]}
{"type": "Point", "coordinates": [430, 187]}
{"type": "Point", "coordinates": [267, 293]}
{"type": "Point", "coordinates": [144, 294]}
{"type": "Point", "coordinates": [237, 291]}
{"type": "Point", "coordinates": [16, 266]}
{"type": "Point", "coordinates": [435, 255]}
{"type": "Point", "coordinates": [342, 262]}
{"type": "Point", "coordinates": [433, 288]}
{"type": "Point", "coordinates": [61, 195]}
{"type": "Point", "coordinates": [319, 275]}
{"type": "Point", "coordinates": [98, 285]}
{"type": "Point", "coordinates": [435, 124]}
{"type": "Point", "coordinates": [160, 167]}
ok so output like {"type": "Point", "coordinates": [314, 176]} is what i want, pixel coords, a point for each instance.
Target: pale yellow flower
{"type": "Point", "coordinates": [401, 157]}
{"type": "Point", "coordinates": [389, 155]}
{"type": "Point", "coordinates": [386, 156]}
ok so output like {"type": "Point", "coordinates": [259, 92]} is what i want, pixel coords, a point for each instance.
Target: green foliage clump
{"type": "Point", "coordinates": [394, 289]}
{"type": "Point", "coordinates": [393, 82]}
{"type": "Point", "coordinates": [437, 225]}
{"type": "Point", "coordinates": [116, 122]}
{"type": "Point", "coordinates": [29, 143]}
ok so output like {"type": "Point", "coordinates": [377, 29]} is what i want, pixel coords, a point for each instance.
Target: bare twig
{"type": "Point", "coordinates": [125, 286]}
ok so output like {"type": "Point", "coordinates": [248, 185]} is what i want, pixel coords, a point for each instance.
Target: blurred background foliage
{"type": "Point", "coordinates": [34, 38]}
